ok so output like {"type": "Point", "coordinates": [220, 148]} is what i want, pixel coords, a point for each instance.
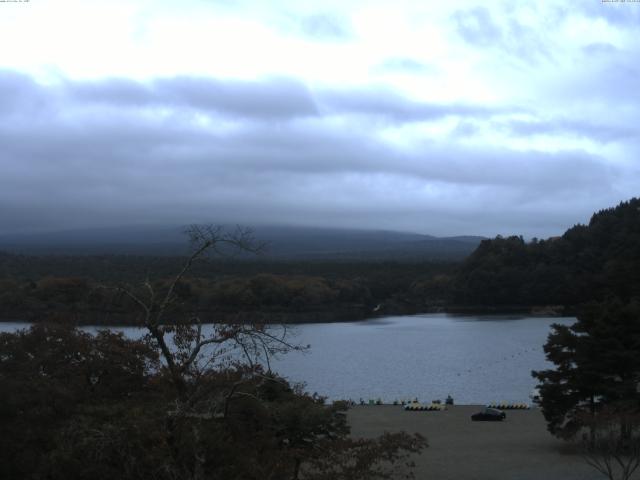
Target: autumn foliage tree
{"type": "Point", "coordinates": [53, 378]}
{"type": "Point", "coordinates": [186, 401]}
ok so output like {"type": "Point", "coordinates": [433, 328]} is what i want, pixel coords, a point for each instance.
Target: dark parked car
{"type": "Point", "coordinates": [489, 414]}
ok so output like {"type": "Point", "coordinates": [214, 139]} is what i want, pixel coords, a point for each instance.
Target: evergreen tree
{"type": "Point", "coordinates": [597, 363]}
{"type": "Point", "coordinates": [589, 262]}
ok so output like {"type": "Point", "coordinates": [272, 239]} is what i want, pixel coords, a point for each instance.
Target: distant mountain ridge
{"type": "Point", "coordinates": [282, 242]}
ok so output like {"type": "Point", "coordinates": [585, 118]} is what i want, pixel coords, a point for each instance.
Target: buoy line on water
{"type": "Point", "coordinates": [458, 372]}
{"type": "Point", "coordinates": [486, 365]}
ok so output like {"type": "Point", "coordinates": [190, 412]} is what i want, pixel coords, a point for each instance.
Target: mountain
{"type": "Point", "coordinates": [589, 262]}
{"type": "Point", "coordinates": [282, 242]}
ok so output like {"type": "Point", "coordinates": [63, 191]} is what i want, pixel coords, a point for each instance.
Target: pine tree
{"type": "Point", "coordinates": [597, 363]}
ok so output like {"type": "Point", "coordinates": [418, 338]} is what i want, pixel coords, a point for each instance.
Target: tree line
{"type": "Point", "coordinates": [37, 288]}
{"type": "Point", "coordinates": [587, 263]}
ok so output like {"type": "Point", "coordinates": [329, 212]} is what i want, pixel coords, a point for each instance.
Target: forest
{"type": "Point", "coordinates": [588, 262]}
{"type": "Point", "coordinates": [84, 288]}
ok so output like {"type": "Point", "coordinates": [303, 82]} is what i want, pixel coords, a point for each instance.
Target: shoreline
{"type": "Point", "coordinates": [289, 318]}
{"type": "Point", "coordinates": [348, 315]}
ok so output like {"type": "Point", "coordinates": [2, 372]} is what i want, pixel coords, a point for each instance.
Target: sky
{"type": "Point", "coordinates": [445, 118]}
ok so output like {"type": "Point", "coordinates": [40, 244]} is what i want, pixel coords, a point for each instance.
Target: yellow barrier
{"type": "Point", "coordinates": [419, 407]}
{"type": "Point", "coordinates": [509, 406]}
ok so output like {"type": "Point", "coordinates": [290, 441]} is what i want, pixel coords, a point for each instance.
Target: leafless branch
{"type": "Point", "coordinates": [183, 362]}
{"type": "Point", "coordinates": [613, 448]}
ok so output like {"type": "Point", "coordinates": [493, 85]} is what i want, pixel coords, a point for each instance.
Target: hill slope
{"type": "Point", "coordinates": [282, 242]}
{"type": "Point", "coordinates": [589, 262]}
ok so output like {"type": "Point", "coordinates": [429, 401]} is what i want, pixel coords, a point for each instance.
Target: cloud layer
{"type": "Point", "coordinates": [507, 131]}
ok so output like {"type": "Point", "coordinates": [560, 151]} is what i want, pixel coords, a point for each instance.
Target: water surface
{"type": "Point", "coordinates": [476, 359]}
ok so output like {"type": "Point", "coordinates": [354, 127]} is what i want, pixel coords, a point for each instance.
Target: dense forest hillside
{"type": "Point", "coordinates": [73, 286]}
{"type": "Point", "coordinates": [303, 274]}
{"type": "Point", "coordinates": [589, 262]}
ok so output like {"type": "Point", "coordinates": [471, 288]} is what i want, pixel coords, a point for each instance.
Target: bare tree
{"type": "Point", "coordinates": [191, 352]}
{"type": "Point", "coordinates": [185, 346]}
{"type": "Point", "coordinates": [612, 446]}
{"type": "Point", "coordinates": [221, 377]}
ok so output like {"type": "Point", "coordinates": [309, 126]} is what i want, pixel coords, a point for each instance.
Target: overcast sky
{"type": "Point", "coordinates": [465, 117]}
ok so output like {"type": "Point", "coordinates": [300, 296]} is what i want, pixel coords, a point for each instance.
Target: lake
{"type": "Point", "coordinates": [475, 359]}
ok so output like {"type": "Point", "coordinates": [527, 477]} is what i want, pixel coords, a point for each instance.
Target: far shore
{"type": "Point", "coordinates": [117, 319]}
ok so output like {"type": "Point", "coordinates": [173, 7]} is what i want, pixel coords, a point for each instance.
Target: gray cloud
{"type": "Point", "coordinates": [609, 83]}
{"type": "Point", "coordinates": [480, 27]}
{"type": "Point", "coordinates": [117, 152]}
{"type": "Point", "coordinates": [275, 98]}
{"type": "Point", "coordinates": [20, 94]}
{"type": "Point", "coordinates": [617, 13]}
{"type": "Point", "coordinates": [404, 65]}
{"type": "Point", "coordinates": [477, 26]}
{"type": "Point", "coordinates": [112, 91]}
{"type": "Point", "coordinates": [385, 103]}
{"type": "Point", "coordinates": [272, 98]}
{"type": "Point", "coordinates": [325, 27]}
{"type": "Point", "coordinates": [603, 133]}
{"type": "Point", "coordinates": [599, 48]}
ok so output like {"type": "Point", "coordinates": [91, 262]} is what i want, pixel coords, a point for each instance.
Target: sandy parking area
{"type": "Point", "coordinates": [520, 448]}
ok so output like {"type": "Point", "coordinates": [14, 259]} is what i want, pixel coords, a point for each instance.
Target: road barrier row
{"type": "Point", "coordinates": [414, 407]}
{"type": "Point", "coordinates": [509, 406]}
